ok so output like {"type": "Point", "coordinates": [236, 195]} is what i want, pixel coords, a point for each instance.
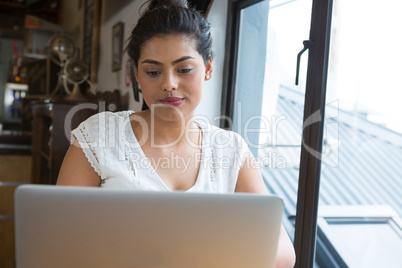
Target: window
{"type": "Point", "coordinates": [362, 236]}
{"type": "Point", "coordinates": [338, 147]}
{"type": "Point", "coordinates": [366, 135]}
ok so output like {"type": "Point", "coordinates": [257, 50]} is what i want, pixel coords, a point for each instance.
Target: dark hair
{"type": "Point", "coordinates": [165, 17]}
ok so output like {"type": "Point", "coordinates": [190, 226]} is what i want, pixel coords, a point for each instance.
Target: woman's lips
{"type": "Point", "coordinates": [174, 101]}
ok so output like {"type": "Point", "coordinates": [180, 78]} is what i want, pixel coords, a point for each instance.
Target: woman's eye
{"type": "Point", "coordinates": [184, 71]}
{"type": "Point", "coordinates": [153, 73]}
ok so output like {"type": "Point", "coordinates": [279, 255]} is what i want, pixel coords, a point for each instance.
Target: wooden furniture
{"type": "Point", "coordinates": [51, 138]}
{"type": "Point", "coordinates": [52, 125]}
{"type": "Point", "coordinates": [13, 14]}
{"type": "Point", "coordinates": [42, 80]}
{"type": "Point", "coordinates": [15, 170]}
{"type": "Point", "coordinates": [15, 144]}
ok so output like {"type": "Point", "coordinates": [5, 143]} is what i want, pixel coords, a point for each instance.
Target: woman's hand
{"type": "Point", "coordinates": [285, 257]}
{"type": "Point", "coordinates": [250, 181]}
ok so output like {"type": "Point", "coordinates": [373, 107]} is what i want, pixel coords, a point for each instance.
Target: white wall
{"type": "Point", "coordinates": [128, 14]}
{"type": "Point", "coordinates": [211, 100]}
{"type": "Point", "coordinates": [108, 80]}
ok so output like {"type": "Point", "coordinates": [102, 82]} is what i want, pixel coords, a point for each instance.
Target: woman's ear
{"type": "Point", "coordinates": [208, 69]}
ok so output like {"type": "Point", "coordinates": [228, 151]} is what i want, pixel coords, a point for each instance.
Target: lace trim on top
{"type": "Point", "coordinates": [126, 148]}
{"type": "Point", "coordinates": [89, 154]}
{"type": "Point", "coordinates": [129, 162]}
{"type": "Point", "coordinates": [205, 156]}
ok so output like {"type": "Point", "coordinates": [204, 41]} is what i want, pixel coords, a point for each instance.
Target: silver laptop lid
{"type": "Point", "coordinates": [59, 226]}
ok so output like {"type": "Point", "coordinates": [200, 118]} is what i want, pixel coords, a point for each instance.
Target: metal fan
{"type": "Point", "coordinates": [60, 49]}
{"type": "Point", "coordinates": [76, 73]}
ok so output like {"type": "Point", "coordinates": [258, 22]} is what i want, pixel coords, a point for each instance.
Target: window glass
{"type": "Point", "coordinates": [363, 130]}
{"type": "Point", "coordinates": [268, 108]}
{"type": "Point", "coordinates": [362, 143]}
{"type": "Point", "coordinates": [359, 243]}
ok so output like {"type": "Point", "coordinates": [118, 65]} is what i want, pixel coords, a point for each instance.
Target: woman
{"type": "Point", "coordinates": [165, 148]}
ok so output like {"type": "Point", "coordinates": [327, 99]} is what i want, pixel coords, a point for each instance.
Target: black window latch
{"type": "Point", "coordinates": [307, 44]}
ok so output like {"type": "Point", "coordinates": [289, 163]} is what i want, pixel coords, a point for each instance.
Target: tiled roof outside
{"type": "Point", "coordinates": [361, 163]}
{"type": "Point", "coordinates": [363, 168]}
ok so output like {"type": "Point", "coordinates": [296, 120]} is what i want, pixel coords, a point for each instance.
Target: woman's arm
{"type": "Point", "coordinates": [76, 169]}
{"type": "Point", "coordinates": [250, 181]}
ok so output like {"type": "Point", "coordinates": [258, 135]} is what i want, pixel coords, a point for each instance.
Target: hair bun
{"type": "Point", "coordinates": [160, 3]}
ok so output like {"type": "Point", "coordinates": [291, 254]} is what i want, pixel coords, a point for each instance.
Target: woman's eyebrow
{"type": "Point", "coordinates": [182, 59]}
{"type": "Point", "coordinates": [173, 62]}
{"type": "Point", "coordinates": [152, 62]}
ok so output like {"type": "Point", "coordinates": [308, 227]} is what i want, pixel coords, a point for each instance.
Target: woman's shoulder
{"type": "Point", "coordinates": [103, 120]}
{"type": "Point", "coordinates": [110, 115]}
{"type": "Point", "coordinates": [97, 119]}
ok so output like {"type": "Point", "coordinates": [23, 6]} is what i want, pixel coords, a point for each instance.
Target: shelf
{"type": "Point", "coordinates": [13, 14]}
{"type": "Point", "coordinates": [15, 149]}
{"type": "Point", "coordinates": [8, 30]}
{"type": "Point", "coordinates": [36, 97]}
{"type": "Point", "coordinates": [10, 33]}
{"type": "Point", "coordinates": [26, 133]}
{"type": "Point", "coordinates": [46, 11]}
{"type": "Point", "coordinates": [12, 5]}
{"type": "Point", "coordinates": [23, 7]}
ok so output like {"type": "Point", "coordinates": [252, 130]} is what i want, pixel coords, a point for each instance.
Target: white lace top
{"type": "Point", "coordinates": [112, 149]}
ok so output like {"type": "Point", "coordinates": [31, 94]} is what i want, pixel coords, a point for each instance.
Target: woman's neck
{"type": "Point", "coordinates": [161, 133]}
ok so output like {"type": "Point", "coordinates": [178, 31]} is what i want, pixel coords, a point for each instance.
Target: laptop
{"type": "Point", "coordinates": [63, 226]}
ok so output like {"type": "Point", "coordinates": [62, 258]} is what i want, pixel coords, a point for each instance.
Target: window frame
{"type": "Point", "coordinates": [312, 135]}
{"type": "Point", "coordinates": [231, 58]}
{"type": "Point", "coordinates": [358, 214]}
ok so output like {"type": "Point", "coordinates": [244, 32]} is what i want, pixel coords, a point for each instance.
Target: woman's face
{"type": "Point", "coordinates": [171, 74]}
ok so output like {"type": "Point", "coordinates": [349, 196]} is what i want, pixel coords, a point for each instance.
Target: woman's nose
{"type": "Point", "coordinates": [169, 82]}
